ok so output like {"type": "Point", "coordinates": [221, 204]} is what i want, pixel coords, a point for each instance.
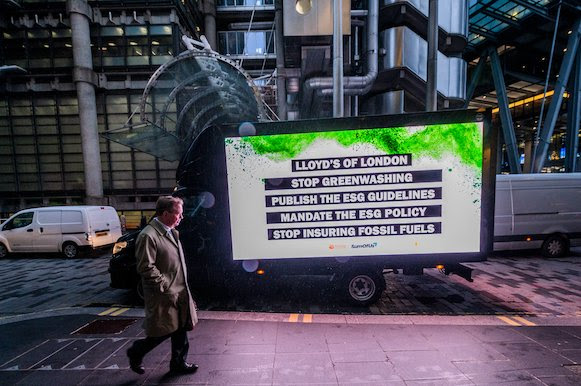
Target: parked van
{"type": "Point", "coordinates": [538, 211]}
{"type": "Point", "coordinates": [67, 229]}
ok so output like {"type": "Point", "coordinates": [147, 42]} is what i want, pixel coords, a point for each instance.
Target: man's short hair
{"type": "Point", "coordinates": [166, 203]}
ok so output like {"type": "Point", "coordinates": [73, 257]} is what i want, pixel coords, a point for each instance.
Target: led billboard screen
{"type": "Point", "coordinates": [379, 191]}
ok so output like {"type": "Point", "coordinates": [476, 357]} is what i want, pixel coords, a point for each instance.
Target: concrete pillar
{"type": "Point", "coordinates": [528, 155]}
{"type": "Point", "coordinates": [210, 23]}
{"type": "Point", "coordinates": [432, 68]}
{"type": "Point", "coordinates": [85, 79]}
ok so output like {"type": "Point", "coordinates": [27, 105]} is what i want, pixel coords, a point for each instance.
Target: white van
{"type": "Point", "coordinates": [538, 211]}
{"type": "Point", "coordinates": [66, 229]}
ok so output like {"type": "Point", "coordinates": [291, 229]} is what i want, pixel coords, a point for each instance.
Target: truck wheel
{"type": "Point", "coordinates": [555, 246]}
{"type": "Point", "coordinates": [3, 251]}
{"type": "Point", "coordinates": [363, 288]}
{"type": "Point", "coordinates": [70, 250]}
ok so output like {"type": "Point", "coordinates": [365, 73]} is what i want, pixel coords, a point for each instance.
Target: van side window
{"type": "Point", "coordinates": [72, 217]}
{"type": "Point", "coordinates": [19, 221]}
{"type": "Point", "coordinates": [49, 217]}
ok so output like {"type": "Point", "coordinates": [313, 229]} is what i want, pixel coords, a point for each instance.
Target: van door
{"type": "Point", "coordinates": [101, 223]}
{"type": "Point", "coordinates": [114, 225]}
{"type": "Point", "coordinates": [47, 231]}
{"type": "Point", "coordinates": [18, 232]}
{"type": "Point", "coordinates": [74, 226]}
{"type": "Point", "coordinates": [534, 213]}
{"type": "Point", "coordinates": [503, 216]}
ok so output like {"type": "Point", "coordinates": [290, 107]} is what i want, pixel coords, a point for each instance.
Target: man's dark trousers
{"type": "Point", "coordinates": [179, 345]}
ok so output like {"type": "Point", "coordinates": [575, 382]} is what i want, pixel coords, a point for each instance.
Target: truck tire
{"type": "Point", "coordinates": [555, 246]}
{"type": "Point", "coordinates": [3, 251]}
{"type": "Point", "coordinates": [70, 250]}
{"type": "Point", "coordinates": [363, 288]}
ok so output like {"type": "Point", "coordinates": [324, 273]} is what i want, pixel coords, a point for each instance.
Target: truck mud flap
{"type": "Point", "coordinates": [460, 270]}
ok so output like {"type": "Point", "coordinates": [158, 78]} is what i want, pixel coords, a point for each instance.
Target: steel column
{"type": "Point", "coordinates": [504, 112]}
{"type": "Point", "coordinates": [574, 119]}
{"type": "Point", "coordinates": [475, 78]}
{"type": "Point", "coordinates": [555, 106]}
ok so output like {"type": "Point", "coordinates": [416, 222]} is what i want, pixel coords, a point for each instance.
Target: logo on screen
{"type": "Point", "coordinates": [365, 245]}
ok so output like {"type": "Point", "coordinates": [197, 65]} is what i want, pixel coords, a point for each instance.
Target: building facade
{"type": "Point", "coordinates": [41, 152]}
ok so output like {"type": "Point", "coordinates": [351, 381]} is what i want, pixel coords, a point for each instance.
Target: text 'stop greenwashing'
{"type": "Point", "coordinates": [462, 140]}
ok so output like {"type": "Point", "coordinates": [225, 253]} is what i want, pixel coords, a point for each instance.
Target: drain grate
{"type": "Point", "coordinates": [105, 326]}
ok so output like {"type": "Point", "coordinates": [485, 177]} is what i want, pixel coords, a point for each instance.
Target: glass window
{"type": "Point", "coordinates": [137, 51]}
{"type": "Point", "coordinates": [49, 217]}
{"type": "Point", "coordinates": [161, 46]}
{"type": "Point", "coordinates": [14, 35]}
{"type": "Point", "coordinates": [112, 31]}
{"type": "Point", "coordinates": [38, 33]}
{"type": "Point", "coordinates": [256, 42]}
{"type": "Point", "coordinates": [160, 30]}
{"type": "Point", "coordinates": [19, 221]}
{"type": "Point", "coordinates": [61, 33]}
{"type": "Point", "coordinates": [14, 49]}
{"type": "Point", "coordinates": [62, 52]}
{"type": "Point", "coordinates": [136, 31]}
{"type": "Point", "coordinates": [72, 217]}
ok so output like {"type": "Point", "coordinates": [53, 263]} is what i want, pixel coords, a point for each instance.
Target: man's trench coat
{"type": "Point", "coordinates": [161, 264]}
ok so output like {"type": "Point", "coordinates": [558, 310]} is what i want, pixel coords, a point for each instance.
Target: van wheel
{"type": "Point", "coordinates": [555, 246]}
{"type": "Point", "coordinates": [3, 251]}
{"type": "Point", "coordinates": [363, 289]}
{"type": "Point", "coordinates": [70, 250]}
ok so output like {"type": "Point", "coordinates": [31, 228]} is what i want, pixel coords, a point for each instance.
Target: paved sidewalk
{"type": "Point", "coordinates": [271, 349]}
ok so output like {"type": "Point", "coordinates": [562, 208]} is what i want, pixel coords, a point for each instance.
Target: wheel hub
{"type": "Point", "coordinates": [554, 247]}
{"type": "Point", "coordinates": [361, 287]}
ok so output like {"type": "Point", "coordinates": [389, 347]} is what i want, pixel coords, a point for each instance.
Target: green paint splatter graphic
{"type": "Point", "coordinates": [462, 140]}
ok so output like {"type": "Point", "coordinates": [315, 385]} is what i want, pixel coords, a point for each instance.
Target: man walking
{"type": "Point", "coordinates": [169, 308]}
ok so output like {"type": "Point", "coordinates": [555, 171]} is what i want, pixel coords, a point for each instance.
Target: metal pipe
{"type": "Point", "coordinates": [432, 77]}
{"type": "Point", "coordinates": [209, 8]}
{"type": "Point", "coordinates": [84, 77]}
{"type": "Point", "coordinates": [210, 30]}
{"type": "Point", "coordinates": [338, 95]}
{"type": "Point", "coordinates": [281, 104]}
{"type": "Point", "coordinates": [356, 85]}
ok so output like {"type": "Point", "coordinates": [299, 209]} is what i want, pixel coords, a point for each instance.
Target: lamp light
{"type": "Point", "coordinates": [303, 6]}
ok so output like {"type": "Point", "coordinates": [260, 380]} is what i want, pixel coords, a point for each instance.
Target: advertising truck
{"type": "Point", "coordinates": [344, 197]}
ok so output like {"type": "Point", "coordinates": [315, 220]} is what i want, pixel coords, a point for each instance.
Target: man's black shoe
{"type": "Point", "coordinates": [134, 362]}
{"type": "Point", "coordinates": [183, 368]}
